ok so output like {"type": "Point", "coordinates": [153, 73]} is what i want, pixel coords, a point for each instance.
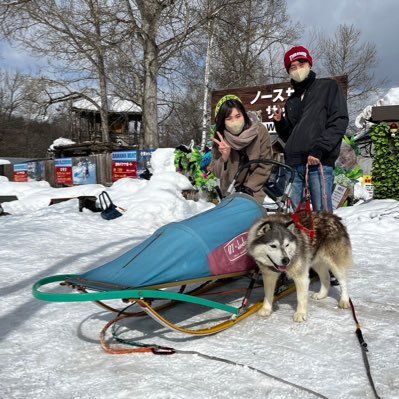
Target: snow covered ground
{"type": "Point", "coordinates": [52, 350]}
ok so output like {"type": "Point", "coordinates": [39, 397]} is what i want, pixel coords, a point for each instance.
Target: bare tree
{"type": "Point", "coordinates": [241, 46]}
{"type": "Point", "coordinates": [19, 101]}
{"type": "Point", "coordinates": [246, 37]}
{"type": "Point", "coordinates": [346, 54]}
{"type": "Point", "coordinates": [12, 93]}
{"type": "Point", "coordinates": [76, 36]}
{"type": "Point", "coordinates": [132, 45]}
{"type": "Point", "coordinates": [181, 99]}
{"type": "Point", "coordinates": [162, 28]}
{"type": "Point", "coordinates": [23, 130]}
{"type": "Point", "coordinates": [207, 74]}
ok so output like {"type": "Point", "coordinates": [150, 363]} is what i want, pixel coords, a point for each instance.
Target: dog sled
{"type": "Point", "coordinates": [180, 263]}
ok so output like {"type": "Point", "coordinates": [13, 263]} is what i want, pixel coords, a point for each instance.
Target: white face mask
{"type": "Point", "coordinates": [300, 74]}
{"type": "Point", "coordinates": [235, 127]}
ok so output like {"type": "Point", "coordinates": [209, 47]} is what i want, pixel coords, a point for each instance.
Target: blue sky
{"type": "Point", "coordinates": [14, 59]}
{"type": "Point", "coordinates": [378, 21]}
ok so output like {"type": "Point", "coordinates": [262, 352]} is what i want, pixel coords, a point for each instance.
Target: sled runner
{"type": "Point", "coordinates": [201, 252]}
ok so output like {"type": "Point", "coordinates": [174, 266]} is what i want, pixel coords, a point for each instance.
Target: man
{"type": "Point", "coordinates": [316, 118]}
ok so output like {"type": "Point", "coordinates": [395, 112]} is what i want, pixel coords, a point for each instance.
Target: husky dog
{"type": "Point", "coordinates": [279, 245]}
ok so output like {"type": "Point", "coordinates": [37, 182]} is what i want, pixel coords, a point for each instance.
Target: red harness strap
{"type": "Point", "coordinates": [305, 209]}
{"type": "Point", "coordinates": [295, 216]}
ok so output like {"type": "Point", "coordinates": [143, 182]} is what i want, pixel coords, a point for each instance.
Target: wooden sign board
{"type": "Point", "coordinates": [265, 98]}
{"type": "Point", "coordinates": [385, 113]}
{"type": "Point", "coordinates": [339, 195]}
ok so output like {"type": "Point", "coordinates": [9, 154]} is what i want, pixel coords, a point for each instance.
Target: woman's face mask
{"type": "Point", "coordinates": [235, 122]}
{"type": "Point", "coordinates": [300, 74]}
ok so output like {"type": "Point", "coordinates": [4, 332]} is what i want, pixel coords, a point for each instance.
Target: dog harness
{"type": "Point", "coordinates": [306, 208]}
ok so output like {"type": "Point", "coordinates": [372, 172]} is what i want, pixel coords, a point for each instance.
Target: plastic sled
{"type": "Point", "coordinates": [208, 247]}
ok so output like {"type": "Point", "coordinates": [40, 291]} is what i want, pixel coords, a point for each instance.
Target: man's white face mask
{"type": "Point", "coordinates": [300, 74]}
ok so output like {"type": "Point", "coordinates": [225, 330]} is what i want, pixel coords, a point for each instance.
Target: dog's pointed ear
{"type": "Point", "coordinates": [290, 225]}
{"type": "Point", "coordinates": [263, 228]}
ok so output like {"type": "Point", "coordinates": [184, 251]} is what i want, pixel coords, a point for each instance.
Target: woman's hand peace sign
{"type": "Point", "coordinates": [224, 148]}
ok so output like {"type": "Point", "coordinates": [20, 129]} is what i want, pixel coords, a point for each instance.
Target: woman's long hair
{"type": "Point", "coordinates": [225, 111]}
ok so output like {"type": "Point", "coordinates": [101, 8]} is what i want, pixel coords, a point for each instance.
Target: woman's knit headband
{"type": "Point", "coordinates": [223, 100]}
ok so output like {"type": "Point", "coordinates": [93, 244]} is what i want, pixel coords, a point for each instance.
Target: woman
{"type": "Point", "coordinates": [240, 138]}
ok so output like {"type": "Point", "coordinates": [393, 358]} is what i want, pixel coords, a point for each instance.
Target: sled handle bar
{"type": "Point", "coordinates": [265, 162]}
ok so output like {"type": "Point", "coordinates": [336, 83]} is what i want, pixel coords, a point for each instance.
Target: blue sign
{"type": "Point", "coordinates": [62, 162]}
{"type": "Point", "coordinates": [20, 167]}
{"type": "Point", "coordinates": [143, 161]}
{"type": "Point", "coordinates": [124, 156]}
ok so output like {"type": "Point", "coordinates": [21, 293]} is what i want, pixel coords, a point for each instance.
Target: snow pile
{"type": "Point", "coordinates": [52, 350]}
{"type": "Point", "coordinates": [60, 142]}
{"type": "Point", "coordinates": [158, 198]}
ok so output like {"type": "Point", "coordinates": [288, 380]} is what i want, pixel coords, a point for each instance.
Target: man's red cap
{"type": "Point", "coordinates": [295, 54]}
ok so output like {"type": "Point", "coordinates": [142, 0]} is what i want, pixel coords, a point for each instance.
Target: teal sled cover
{"type": "Point", "coordinates": [208, 244]}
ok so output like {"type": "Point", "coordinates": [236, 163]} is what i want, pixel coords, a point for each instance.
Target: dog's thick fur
{"type": "Point", "coordinates": [278, 245]}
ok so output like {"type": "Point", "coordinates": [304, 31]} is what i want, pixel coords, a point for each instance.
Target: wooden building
{"type": "Point", "coordinates": [124, 120]}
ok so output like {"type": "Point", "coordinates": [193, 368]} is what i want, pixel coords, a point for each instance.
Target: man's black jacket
{"type": "Point", "coordinates": [316, 124]}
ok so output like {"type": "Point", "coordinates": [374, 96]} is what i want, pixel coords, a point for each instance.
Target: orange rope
{"type": "Point", "coordinates": [112, 351]}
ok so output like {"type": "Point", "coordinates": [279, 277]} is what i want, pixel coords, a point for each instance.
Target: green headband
{"type": "Point", "coordinates": [223, 100]}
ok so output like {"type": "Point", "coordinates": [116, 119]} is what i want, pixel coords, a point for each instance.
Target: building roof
{"type": "Point", "coordinates": [115, 104]}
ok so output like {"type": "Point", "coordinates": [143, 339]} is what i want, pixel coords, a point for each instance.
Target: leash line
{"type": "Point", "coordinates": [305, 207]}
{"type": "Point", "coordinates": [323, 185]}
{"type": "Point", "coordinates": [164, 350]}
{"type": "Point", "coordinates": [363, 346]}
{"type": "Point", "coordinates": [223, 360]}
{"type": "Point", "coordinates": [323, 179]}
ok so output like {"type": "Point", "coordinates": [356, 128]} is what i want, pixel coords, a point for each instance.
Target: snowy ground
{"type": "Point", "coordinates": [52, 350]}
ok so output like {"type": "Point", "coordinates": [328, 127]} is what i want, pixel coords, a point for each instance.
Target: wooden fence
{"type": "Point", "coordinates": [103, 164]}
{"type": "Point", "coordinates": [7, 170]}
